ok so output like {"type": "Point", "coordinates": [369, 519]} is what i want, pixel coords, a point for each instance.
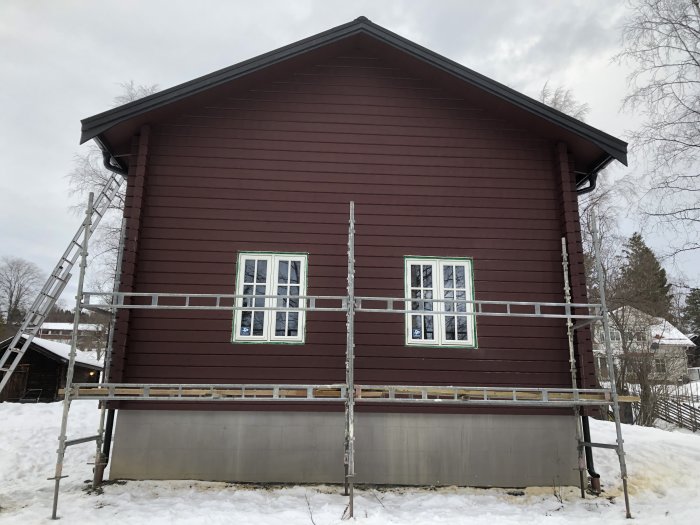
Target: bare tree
{"type": "Point", "coordinates": [643, 364]}
{"type": "Point", "coordinates": [131, 92]}
{"type": "Point", "coordinates": [89, 174]}
{"type": "Point", "coordinates": [19, 283]}
{"type": "Point", "coordinates": [562, 99]}
{"type": "Point", "coordinates": [661, 40]}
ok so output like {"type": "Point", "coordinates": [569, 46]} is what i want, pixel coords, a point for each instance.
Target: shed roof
{"type": "Point", "coordinates": [58, 352]}
{"type": "Point", "coordinates": [592, 148]}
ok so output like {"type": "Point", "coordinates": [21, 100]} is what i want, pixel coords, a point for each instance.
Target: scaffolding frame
{"type": "Point", "coordinates": [348, 393]}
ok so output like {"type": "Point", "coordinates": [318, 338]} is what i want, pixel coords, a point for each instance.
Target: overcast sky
{"type": "Point", "coordinates": [61, 61]}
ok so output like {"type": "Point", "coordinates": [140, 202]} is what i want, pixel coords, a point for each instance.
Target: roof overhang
{"type": "Point", "coordinates": [592, 149]}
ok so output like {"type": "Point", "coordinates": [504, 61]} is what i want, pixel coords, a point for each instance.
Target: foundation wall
{"type": "Point", "coordinates": [303, 447]}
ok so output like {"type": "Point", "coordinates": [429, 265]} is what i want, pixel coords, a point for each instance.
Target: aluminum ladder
{"type": "Point", "coordinates": [55, 284]}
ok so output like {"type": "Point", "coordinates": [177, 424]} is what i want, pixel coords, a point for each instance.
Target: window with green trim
{"type": "Point", "coordinates": [437, 278]}
{"type": "Point", "coordinates": [281, 275]}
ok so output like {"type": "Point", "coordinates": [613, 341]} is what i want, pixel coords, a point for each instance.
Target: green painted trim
{"type": "Point", "coordinates": [305, 255]}
{"type": "Point", "coordinates": [475, 344]}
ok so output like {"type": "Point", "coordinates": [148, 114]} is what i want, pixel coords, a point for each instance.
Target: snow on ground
{"type": "Point", "coordinates": [664, 472]}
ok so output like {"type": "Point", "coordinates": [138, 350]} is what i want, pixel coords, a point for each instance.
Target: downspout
{"type": "Point", "coordinates": [595, 477]}
{"type": "Point", "coordinates": [109, 424]}
{"type": "Point", "coordinates": [106, 446]}
{"type": "Point", "coordinates": [592, 178]}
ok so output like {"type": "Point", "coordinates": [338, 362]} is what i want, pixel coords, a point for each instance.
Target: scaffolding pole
{"type": "Point", "coordinates": [62, 438]}
{"type": "Point", "coordinates": [611, 366]}
{"type": "Point", "coordinates": [349, 458]}
{"type": "Point", "coordinates": [572, 368]}
{"type": "Point", "coordinates": [348, 392]}
{"type": "Point", "coordinates": [101, 458]}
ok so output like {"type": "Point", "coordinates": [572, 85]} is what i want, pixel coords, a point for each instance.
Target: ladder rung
{"type": "Point", "coordinates": [599, 445]}
{"type": "Point", "coordinates": [4, 369]}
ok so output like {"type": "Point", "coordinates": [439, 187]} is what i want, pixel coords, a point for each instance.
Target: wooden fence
{"type": "Point", "coordinates": [678, 412]}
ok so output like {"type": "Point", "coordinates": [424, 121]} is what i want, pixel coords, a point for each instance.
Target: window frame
{"type": "Point", "coordinates": [660, 365]}
{"type": "Point", "coordinates": [440, 341]}
{"type": "Point", "coordinates": [269, 336]}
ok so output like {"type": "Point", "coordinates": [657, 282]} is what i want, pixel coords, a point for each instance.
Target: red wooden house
{"type": "Point", "coordinates": [239, 182]}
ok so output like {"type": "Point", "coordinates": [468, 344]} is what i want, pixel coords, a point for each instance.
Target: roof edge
{"type": "Point", "coordinates": [97, 124]}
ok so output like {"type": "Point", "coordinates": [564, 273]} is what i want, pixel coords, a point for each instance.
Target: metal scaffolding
{"type": "Point", "coordinates": [348, 393]}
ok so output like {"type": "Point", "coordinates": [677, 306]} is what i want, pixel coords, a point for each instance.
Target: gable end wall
{"type": "Point", "coordinates": [274, 168]}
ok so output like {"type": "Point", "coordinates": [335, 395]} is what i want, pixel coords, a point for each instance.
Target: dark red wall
{"type": "Point", "coordinates": [274, 168]}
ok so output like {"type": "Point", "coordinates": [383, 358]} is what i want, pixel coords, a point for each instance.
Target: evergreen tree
{"type": "Point", "coordinates": [643, 283]}
{"type": "Point", "coordinates": [691, 311]}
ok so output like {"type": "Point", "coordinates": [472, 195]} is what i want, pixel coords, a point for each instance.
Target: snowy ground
{"type": "Point", "coordinates": [664, 485]}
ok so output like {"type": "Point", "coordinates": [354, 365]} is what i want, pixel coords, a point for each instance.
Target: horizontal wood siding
{"type": "Point", "coordinates": [274, 168]}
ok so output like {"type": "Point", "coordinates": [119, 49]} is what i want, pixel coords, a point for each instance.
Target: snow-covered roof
{"type": "Point", "coordinates": [63, 351]}
{"type": "Point", "coordinates": [665, 333]}
{"type": "Point", "coordinates": [661, 331]}
{"type": "Point", "coordinates": [69, 326]}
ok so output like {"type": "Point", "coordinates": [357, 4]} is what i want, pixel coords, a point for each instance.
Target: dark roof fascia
{"type": "Point", "coordinates": [93, 126]}
{"type": "Point", "coordinates": [616, 148]}
{"type": "Point", "coordinates": [97, 124]}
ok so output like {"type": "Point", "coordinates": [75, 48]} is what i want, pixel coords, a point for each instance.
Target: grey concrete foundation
{"type": "Point", "coordinates": [305, 447]}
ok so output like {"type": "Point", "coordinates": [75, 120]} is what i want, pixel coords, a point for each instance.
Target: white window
{"type": "Point", "coordinates": [431, 278]}
{"type": "Point", "coordinates": [282, 275]}
{"type": "Point", "coordinates": [660, 366]}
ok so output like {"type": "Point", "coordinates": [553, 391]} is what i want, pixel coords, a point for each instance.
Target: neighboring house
{"type": "Point", "coordinates": [90, 336]}
{"type": "Point", "coordinates": [694, 352]}
{"type": "Point", "coordinates": [240, 181]}
{"type": "Point", "coordinates": [646, 344]}
{"type": "Point", "coordinates": [43, 371]}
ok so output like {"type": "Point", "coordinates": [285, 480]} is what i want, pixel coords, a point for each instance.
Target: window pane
{"type": "Point", "coordinates": [428, 327]}
{"type": "Point", "coordinates": [447, 276]}
{"type": "Point", "coordinates": [248, 301]}
{"type": "Point", "coordinates": [427, 276]}
{"type": "Point", "coordinates": [293, 290]}
{"type": "Point", "coordinates": [245, 323]}
{"type": "Point", "coordinates": [283, 273]}
{"type": "Point", "coordinates": [450, 328]}
{"type": "Point", "coordinates": [416, 328]}
{"type": "Point", "coordinates": [249, 271]}
{"type": "Point", "coordinates": [262, 272]}
{"type": "Point", "coordinates": [260, 302]}
{"type": "Point", "coordinates": [459, 277]}
{"type": "Point", "coordinates": [293, 324]}
{"type": "Point", "coordinates": [449, 307]}
{"type": "Point", "coordinates": [428, 294]}
{"type": "Point", "coordinates": [281, 290]}
{"type": "Point", "coordinates": [415, 305]}
{"type": "Point", "coordinates": [415, 275]}
{"type": "Point", "coordinates": [461, 307]}
{"type": "Point", "coordinates": [295, 273]}
{"type": "Point", "coordinates": [462, 329]}
{"type": "Point", "coordinates": [258, 323]}
{"type": "Point", "coordinates": [280, 319]}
